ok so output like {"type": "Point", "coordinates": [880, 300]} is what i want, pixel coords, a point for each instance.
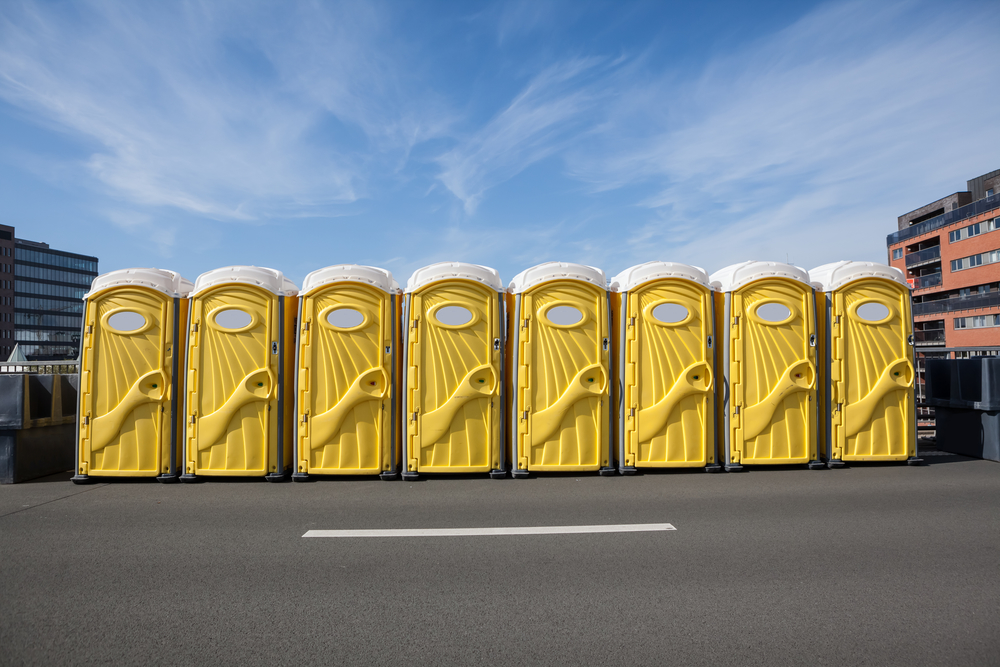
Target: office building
{"type": "Point", "coordinates": [41, 307]}
{"type": "Point", "coordinates": [950, 252]}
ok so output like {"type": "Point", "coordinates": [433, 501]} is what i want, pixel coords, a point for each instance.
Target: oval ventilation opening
{"type": "Point", "coordinates": [345, 318]}
{"type": "Point", "coordinates": [873, 311]}
{"type": "Point", "coordinates": [453, 316]}
{"type": "Point", "coordinates": [126, 320]}
{"type": "Point", "coordinates": [233, 319]}
{"type": "Point", "coordinates": [670, 313]}
{"type": "Point", "coordinates": [773, 312]}
{"type": "Point", "coordinates": [563, 315]}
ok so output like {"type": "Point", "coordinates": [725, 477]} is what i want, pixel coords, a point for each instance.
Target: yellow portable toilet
{"type": "Point", "coordinates": [131, 376]}
{"type": "Point", "coordinates": [766, 327]}
{"type": "Point", "coordinates": [454, 366]}
{"type": "Point", "coordinates": [664, 316]}
{"type": "Point", "coordinates": [346, 370]}
{"type": "Point", "coordinates": [866, 352]}
{"type": "Point", "coordinates": [561, 347]}
{"type": "Point", "coordinates": [239, 397]}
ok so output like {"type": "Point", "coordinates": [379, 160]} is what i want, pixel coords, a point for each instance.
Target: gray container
{"type": "Point", "coordinates": [965, 394]}
{"type": "Point", "coordinates": [37, 425]}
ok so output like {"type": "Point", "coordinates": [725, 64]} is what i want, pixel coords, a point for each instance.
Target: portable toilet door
{"type": "Point", "coordinates": [454, 366]}
{"type": "Point", "coordinates": [665, 320]}
{"type": "Point", "coordinates": [869, 411]}
{"type": "Point", "coordinates": [562, 370]}
{"type": "Point", "coordinates": [347, 373]}
{"type": "Point", "coordinates": [131, 376]}
{"type": "Point", "coordinates": [768, 341]}
{"type": "Point", "coordinates": [240, 399]}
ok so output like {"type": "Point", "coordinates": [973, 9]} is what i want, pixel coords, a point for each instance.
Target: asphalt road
{"type": "Point", "coordinates": [879, 565]}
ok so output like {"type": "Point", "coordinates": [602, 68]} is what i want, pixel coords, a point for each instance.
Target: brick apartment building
{"type": "Point", "coordinates": [950, 253]}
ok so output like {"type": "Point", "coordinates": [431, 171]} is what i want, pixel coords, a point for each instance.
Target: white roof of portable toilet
{"type": "Point", "coordinates": [170, 283]}
{"type": "Point", "coordinates": [632, 277]}
{"type": "Point", "coordinates": [272, 280]}
{"type": "Point", "coordinates": [355, 273]}
{"type": "Point", "coordinates": [831, 276]}
{"type": "Point", "coordinates": [452, 271]}
{"type": "Point", "coordinates": [736, 276]}
{"type": "Point", "coordinates": [557, 271]}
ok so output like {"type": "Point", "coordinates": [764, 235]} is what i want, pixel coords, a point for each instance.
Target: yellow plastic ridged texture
{"type": "Point", "coordinates": [345, 380]}
{"type": "Point", "coordinates": [564, 380]}
{"type": "Point", "coordinates": [773, 375]}
{"type": "Point", "coordinates": [125, 386]}
{"type": "Point", "coordinates": [232, 384]}
{"type": "Point", "coordinates": [668, 378]}
{"type": "Point", "coordinates": [872, 374]}
{"type": "Point", "coordinates": [454, 380]}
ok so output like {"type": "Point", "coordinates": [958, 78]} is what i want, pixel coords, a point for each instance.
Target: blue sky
{"type": "Point", "coordinates": [193, 135]}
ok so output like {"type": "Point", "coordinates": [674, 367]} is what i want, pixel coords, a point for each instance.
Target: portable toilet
{"type": "Point", "coordinates": [131, 376]}
{"type": "Point", "coordinates": [240, 398]}
{"type": "Point", "coordinates": [664, 321]}
{"type": "Point", "coordinates": [866, 351]}
{"type": "Point", "coordinates": [454, 366]}
{"type": "Point", "coordinates": [766, 326]}
{"type": "Point", "coordinates": [347, 373]}
{"type": "Point", "coordinates": [561, 346]}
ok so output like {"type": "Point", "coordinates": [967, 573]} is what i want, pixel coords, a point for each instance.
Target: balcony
{"type": "Point", "coordinates": [961, 213]}
{"type": "Point", "coordinates": [922, 257]}
{"type": "Point", "coordinates": [932, 280]}
{"type": "Point", "coordinates": [957, 303]}
{"type": "Point", "coordinates": [929, 337]}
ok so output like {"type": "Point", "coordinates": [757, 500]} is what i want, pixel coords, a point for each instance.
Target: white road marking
{"type": "Point", "coordinates": [512, 530]}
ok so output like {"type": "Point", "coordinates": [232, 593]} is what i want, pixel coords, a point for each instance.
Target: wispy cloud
{"type": "Point", "coordinates": [213, 109]}
{"type": "Point", "coordinates": [839, 122]}
{"type": "Point", "coordinates": [539, 122]}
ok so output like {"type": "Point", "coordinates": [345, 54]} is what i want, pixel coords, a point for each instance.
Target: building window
{"type": "Point", "coordinates": [897, 253]}
{"type": "Point", "coordinates": [989, 193]}
{"type": "Point", "coordinates": [965, 291]}
{"type": "Point", "coordinates": [959, 322]}
{"type": "Point", "coordinates": [955, 236]}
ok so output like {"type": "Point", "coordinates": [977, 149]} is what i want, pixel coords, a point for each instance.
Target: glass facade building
{"type": "Point", "coordinates": [47, 304]}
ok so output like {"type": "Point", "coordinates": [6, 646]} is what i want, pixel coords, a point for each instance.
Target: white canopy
{"type": "Point", "coordinates": [162, 280]}
{"type": "Point", "coordinates": [272, 280]}
{"type": "Point", "coordinates": [557, 271]}
{"type": "Point", "coordinates": [736, 276]}
{"type": "Point", "coordinates": [366, 275]}
{"type": "Point", "coordinates": [831, 276]}
{"type": "Point", "coordinates": [452, 271]}
{"type": "Point", "coordinates": [632, 277]}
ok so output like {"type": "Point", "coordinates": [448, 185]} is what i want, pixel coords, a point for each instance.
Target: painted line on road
{"type": "Point", "coordinates": [512, 530]}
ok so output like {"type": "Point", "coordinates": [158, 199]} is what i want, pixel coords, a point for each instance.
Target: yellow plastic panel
{"type": "Point", "coordinates": [126, 392]}
{"type": "Point", "coordinates": [345, 382]}
{"type": "Point", "coordinates": [873, 391]}
{"type": "Point", "coordinates": [233, 384]}
{"type": "Point", "coordinates": [669, 386]}
{"type": "Point", "coordinates": [564, 379]}
{"type": "Point", "coordinates": [773, 371]}
{"type": "Point", "coordinates": [454, 380]}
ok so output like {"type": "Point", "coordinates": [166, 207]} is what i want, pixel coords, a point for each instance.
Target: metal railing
{"type": "Point", "coordinates": [928, 336]}
{"type": "Point", "coordinates": [957, 303]}
{"type": "Point", "coordinates": [931, 280]}
{"type": "Point", "coordinates": [922, 256]}
{"type": "Point", "coordinates": [34, 367]}
{"type": "Point", "coordinates": [961, 213]}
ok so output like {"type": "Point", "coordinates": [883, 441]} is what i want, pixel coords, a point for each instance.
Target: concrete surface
{"type": "Point", "coordinates": [870, 565]}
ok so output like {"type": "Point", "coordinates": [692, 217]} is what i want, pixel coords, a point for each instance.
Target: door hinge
{"type": "Point", "coordinates": [631, 322]}
{"type": "Point", "coordinates": [305, 326]}
{"type": "Point", "coordinates": [736, 321]}
{"type": "Point", "coordinates": [194, 328]}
